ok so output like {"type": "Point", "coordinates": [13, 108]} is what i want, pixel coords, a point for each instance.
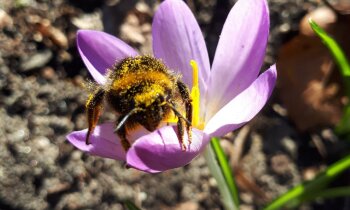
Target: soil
{"type": "Point", "coordinates": [42, 100]}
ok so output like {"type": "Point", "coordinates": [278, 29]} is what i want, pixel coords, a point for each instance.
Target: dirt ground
{"type": "Point", "coordinates": [42, 100]}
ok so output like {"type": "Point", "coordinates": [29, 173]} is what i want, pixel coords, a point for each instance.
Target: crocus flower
{"type": "Point", "coordinates": [232, 91]}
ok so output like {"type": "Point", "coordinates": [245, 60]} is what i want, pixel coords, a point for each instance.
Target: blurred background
{"type": "Point", "coordinates": [42, 100]}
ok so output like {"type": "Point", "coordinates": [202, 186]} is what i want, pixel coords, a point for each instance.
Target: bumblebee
{"type": "Point", "coordinates": [143, 91]}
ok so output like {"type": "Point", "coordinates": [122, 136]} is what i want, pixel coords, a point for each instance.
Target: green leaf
{"type": "Point", "coordinates": [295, 196]}
{"type": "Point", "coordinates": [330, 193]}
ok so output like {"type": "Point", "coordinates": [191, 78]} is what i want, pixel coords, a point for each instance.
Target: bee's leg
{"type": "Point", "coordinates": [185, 95]}
{"type": "Point", "coordinates": [121, 132]}
{"type": "Point", "coordinates": [180, 132]}
{"type": "Point", "coordinates": [93, 110]}
{"type": "Point", "coordinates": [189, 117]}
{"type": "Point", "coordinates": [120, 127]}
{"type": "Point", "coordinates": [182, 123]}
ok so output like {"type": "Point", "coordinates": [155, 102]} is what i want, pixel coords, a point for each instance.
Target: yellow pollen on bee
{"type": "Point", "coordinates": [90, 98]}
{"type": "Point", "coordinates": [131, 79]}
{"type": "Point", "coordinates": [195, 96]}
{"type": "Point", "coordinates": [149, 94]}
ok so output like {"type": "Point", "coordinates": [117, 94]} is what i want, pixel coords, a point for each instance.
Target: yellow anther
{"type": "Point", "coordinates": [195, 95]}
{"type": "Point", "coordinates": [195, 73]}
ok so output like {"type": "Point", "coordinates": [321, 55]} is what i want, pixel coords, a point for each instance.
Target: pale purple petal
{"type": "Point", "coordinates": [239, 54]}
{"type": "Point", "coordinates": [160, 150]}
{"type": "Point", "coordinates": [244, 106]}
{"type": "Point", "coordinates": [177, 39]}
{"type": "Point", "coordinates": [104, 142]}
{"type": "Point", "coordinates": [100, 51]}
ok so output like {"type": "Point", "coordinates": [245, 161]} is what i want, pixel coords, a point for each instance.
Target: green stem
{"type": "Point", "coordinates": [219, 167]}
{"type": "Point", "coordinates": [225, 168]}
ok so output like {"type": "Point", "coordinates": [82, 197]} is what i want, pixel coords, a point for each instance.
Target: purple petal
{"type": "Point", "coordinates": [104, 142]}
{"type": "Point", "coordinates": [177, 39]}
{"type": "Point", "coordinates": [160, 150]}
{"type": "Point", "coordinates": [100, 51]}
{"type": "Point", "coordinates": [239, 54]}
{"type": "Point", "coordinates": [244, 106]}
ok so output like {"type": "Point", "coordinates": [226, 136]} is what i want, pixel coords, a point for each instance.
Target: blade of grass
{"type": "Point", "coordinates": [334, 48]}
{"type": "Point", "coordinates": [229, 195]}
{"type": "Point", "coordinates": [298, 194]}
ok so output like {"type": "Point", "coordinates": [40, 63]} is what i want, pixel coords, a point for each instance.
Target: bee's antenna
{"type": "Point", "coordinates": [125, 118]}
{"type": "Point", "coordinates": [178, 113]}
